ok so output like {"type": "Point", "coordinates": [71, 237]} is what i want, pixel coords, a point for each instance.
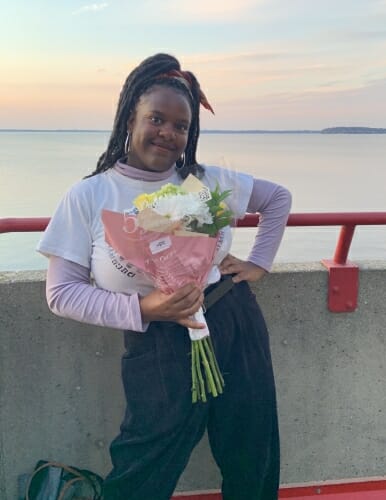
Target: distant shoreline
{"type": "Point", "coordinates": [331, 130]}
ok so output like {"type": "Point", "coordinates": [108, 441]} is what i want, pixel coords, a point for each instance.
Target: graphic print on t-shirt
{"type": "Point", "coordinates": [121, 264]}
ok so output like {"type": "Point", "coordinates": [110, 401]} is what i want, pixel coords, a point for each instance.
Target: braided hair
{"type": "Point", "coordinates": [140, 81]}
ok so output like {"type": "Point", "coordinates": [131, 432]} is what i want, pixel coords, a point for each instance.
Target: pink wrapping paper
{"type": "Point", "coordinates": [171, 261]}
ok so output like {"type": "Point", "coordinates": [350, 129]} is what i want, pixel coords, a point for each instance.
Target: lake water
{"type": "Point", "coordinates": [325, 173]}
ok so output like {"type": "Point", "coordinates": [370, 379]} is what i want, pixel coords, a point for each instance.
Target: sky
{"type": "Point", "coordinates": [263, 64]}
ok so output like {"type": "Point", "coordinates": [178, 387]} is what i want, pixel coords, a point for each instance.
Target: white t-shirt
{"type": "Point", "coordinates": [76, 232]}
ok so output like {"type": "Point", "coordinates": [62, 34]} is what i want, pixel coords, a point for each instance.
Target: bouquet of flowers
{"type": "Point", "coordinates": [171, 235]}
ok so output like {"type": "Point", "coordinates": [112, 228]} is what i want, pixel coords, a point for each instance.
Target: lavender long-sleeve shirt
{"type": "Point", "coordinates": [70, 293]}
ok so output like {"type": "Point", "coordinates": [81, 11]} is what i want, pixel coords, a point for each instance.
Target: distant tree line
{"type": "Point", "coordinates": [353, 130]}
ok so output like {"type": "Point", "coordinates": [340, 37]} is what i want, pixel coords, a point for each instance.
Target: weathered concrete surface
{"type": "Point", "coordinates": [61, 398]}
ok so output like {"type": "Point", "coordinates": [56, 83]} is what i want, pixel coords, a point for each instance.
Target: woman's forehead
{"type": "Point", "coordinates": [161, 97]}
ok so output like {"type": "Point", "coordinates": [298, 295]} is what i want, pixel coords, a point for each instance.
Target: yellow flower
{"type": "Point", "coordinates": [143, 200]}
{"type": "Point", "coordinates": [223, 207]}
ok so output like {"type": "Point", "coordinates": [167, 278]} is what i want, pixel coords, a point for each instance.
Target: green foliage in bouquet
{"type": "Point", "coordinates": [221, 214]}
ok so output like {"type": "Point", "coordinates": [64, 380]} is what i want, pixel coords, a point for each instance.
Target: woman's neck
{"type": "Point", "coordinates": [143, 175]}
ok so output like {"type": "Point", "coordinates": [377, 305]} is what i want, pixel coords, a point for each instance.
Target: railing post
{"type": "Point", "coordinates": [343, 275]}
{"type": "Point", "coordinates": [343, 245]}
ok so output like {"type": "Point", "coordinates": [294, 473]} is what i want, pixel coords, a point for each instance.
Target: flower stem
{"type": "Point", "coordinates": [215, 361]}
{"type": "Point", "coordinates": [208, 371]}
{"type": "Point", "coordinates": [202, 394]}
{"type": "Point", "coordinates": [215, 369]}
{"type": "Point", "coordinates": [210, 381]}
{"type": "Point", "coordinates": [194, 376]}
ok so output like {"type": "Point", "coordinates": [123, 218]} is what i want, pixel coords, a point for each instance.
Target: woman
{"type": "Point", "coordinates": [154, 141]}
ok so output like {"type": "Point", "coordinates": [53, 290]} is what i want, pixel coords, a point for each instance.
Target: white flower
{"type": "Point", "coordinates": [186, 207]}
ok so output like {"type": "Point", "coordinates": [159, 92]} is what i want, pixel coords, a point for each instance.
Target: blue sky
{"type": "Point", "coordinates": [264, 64]}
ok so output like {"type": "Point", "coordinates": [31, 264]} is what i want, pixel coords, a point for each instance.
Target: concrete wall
{"type": "Point", "coordinates": [61, 399]}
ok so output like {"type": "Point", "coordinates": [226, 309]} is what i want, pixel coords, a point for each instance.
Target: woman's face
{"type": "Point", "coordinates": [159, 129]}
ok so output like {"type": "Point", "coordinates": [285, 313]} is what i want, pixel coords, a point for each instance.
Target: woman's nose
{"type": "Point", "coordinates": [167, 131]}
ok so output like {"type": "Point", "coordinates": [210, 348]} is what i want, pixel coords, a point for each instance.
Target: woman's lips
{"type": "Point", "coordinates": [164, 147]}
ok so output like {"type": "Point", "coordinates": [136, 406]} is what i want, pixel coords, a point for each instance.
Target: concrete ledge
{"type": "Point", "coordinates": [61, 398]}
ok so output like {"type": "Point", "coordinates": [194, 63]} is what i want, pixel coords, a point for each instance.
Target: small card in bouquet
{"type": "Point", "coordinates": [193, 185]}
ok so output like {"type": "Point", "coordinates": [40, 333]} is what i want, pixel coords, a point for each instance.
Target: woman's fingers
{"type": "Point", "coordinates": [230, 265]}
{"type": "Point", "coordinates": [178, 305]}
{"type": "Point", "coordinates": [189, 311]}
{"type": "Point", "coordinates": [242, 270]}
{"type": "Point", "coordinates": [190, 323]}
{"type": "Point", "coordinates": [189, 305]}
{"type": "Point", "coordinates": [186, 296]}
{"type": "Point", "coordinates": [189, 299]}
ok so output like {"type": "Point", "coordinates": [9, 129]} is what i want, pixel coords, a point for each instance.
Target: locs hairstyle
{"type": "Point", "coordinates": [140, 81]}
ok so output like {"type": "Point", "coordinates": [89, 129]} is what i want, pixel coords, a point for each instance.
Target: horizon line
{"type": "Point", "coordinates": [107, 130]}
{"type": "Point", "coordinates": [205, 131]}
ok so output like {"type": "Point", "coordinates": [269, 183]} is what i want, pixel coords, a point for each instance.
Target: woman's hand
{"type": "Point", "coordinates": [243, 270]}
{"type": "Point", "coordinates": [178, 306]}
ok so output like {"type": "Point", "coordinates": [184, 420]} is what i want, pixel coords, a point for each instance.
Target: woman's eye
{"type": "Point", "coordinates": [182, 128]}
{"type": "Point", "coordinates": [156, 120]}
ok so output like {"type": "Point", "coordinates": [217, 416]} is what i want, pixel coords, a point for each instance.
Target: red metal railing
{"type": "Point", "coordinates": [358, 489]}
{"type": "Point", "coordinates": [347, 221]}
{"type": "Point", "coordinates": [343, 275]}
{"type": "Point", "coordinates": [23, 225]}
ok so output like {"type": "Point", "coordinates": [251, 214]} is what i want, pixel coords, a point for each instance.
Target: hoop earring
{"type": "Point", "coordinates": [181, 161]}
{"type": "Point", "coordinates": [127, 143]}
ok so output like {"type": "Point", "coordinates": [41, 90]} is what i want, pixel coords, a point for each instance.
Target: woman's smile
{"type": "Point", "coordinates": [164, 147]}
